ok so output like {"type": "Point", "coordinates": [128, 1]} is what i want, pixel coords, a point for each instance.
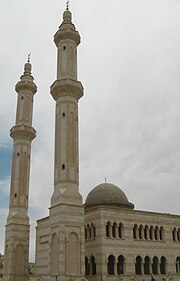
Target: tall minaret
{"type": "Point", "coordinates": [60, 236]}
{"type": "Point", "coordinates": [17, 228]}
{"type": "Point", "coordinates": [66, 91]}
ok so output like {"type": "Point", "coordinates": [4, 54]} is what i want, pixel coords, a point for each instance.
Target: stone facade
{"type": "Point", "coordinates": [122, 243]}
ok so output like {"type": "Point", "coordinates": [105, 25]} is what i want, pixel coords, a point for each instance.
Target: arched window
{"type": "Point", "coordinates": [108, 225]}
{"type": "Point", "coordinates": [88, 232]}
{"type": "Point", "coordinates": [174, 234]}
{"type": "Point", "coordinates": [93, 265]}
{"type": "Point", "coordinates": [85, 232]}
{"type": "Point", "coordinates": [163, 265]}
{"type": "Point", "coordinates": [146, 232]}
{"type": "Point", "coordinates": [156, 233]}
{"type": "Point", "coordinates": [178, 234]}
{"type": "Point", "coordinates": [114, 230]}
{"type": "Point", "coordinates": [87, 266]}
{"type": "Point", "coordinates": [120, 265]}
{"type": "Point", "coordinates": [93, 231]}
{"type": "Point", "coordinates": [135, 231]}
{"type": "Point", "coordinates": [141, 232]}
{"type": "Point", "coordinates": [161, 233]}
{"type": "Point", "coordinates": [155, 265]}
{"type": "Point", "coordinates": [138, 264]}
{"type": "Point", "coordinates": [147, 265]}
{"type": "Point", "coordinates": [178, 265]}
{"type": "Point", "coordinates": [151, 232]}
{"type": "Point", "coordinates": [121, 230]}
{"type": "Point", "coordinates": [110, 265]}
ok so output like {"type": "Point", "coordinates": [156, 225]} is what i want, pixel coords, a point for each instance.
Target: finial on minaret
{"type": "Point", "coordinates": [105, 180]}
{"type": "Point", "coordinates": [29, 56]}
{"type": "Point", "coordinates": [67, 5]}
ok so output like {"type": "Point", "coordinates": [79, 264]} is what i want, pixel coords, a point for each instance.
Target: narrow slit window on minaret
{"type": "Point", "coordinates": [22, 98]}
{"type": "Point", "coordinates": [18, 154]}
{"type": "Point", "coordinates": [15, 195]}
{"type": "Point", "coordinates": [63, 115]}
{"type": "Point", "coordinates": [64, 48]}
{"type": "Point", "coordinates": [63, 166]}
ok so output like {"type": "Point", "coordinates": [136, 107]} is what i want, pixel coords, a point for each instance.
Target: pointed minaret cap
{"type": "Point", "coordinates": [26, 79]}
{"type": "Point", "coordinates": [67, 16]}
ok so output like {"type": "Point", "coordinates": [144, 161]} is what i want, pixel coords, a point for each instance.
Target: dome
{"type": "Point", "coordinates": [108, 194]}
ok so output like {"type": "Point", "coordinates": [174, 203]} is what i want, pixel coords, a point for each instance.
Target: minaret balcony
{"type": "Point", "coordinates": [67, 87]}
{"type": "Point", "coordinates": [67, 34]}
{"type": "Point", "coordinates": [26, 85]}
{"type": "Point", "coordinates": [23, 132]}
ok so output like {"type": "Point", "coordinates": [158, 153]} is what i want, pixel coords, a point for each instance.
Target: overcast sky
{"type": "Point", "coordinates": [129, 117]}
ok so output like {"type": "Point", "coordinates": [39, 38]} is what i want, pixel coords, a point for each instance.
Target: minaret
{"type": "Point", "coordinates": [17, 228]}
{"type": "Point", "coordinates": [60, 236]}
{"type": "Point", "coordinates": [66, 91]}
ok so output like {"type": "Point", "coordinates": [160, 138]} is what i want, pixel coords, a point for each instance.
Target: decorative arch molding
{"type": "Point", "coordinates": [72, 254]}
{"type": "Point", "coordinates": [54, 254]}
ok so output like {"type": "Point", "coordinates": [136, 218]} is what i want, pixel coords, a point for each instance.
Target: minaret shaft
{"type": "Point", "coordinates": [17, 228]}
{"type": "Point", "coordinates": [66, 141]}
{"type": "Point", "coordinates": [67, 60]}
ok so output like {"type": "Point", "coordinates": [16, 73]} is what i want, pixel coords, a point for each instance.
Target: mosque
{"type": "Point", "coordinates": [105, 239]}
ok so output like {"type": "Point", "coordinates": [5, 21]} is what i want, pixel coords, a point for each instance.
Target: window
{"type": "Point", "coordinates": [121, 230]}
{"type": "Point", "coordinates": [138, 264]}
{"type": "Point", "coordinates": [87, 266]}
{"type": "Point", "coordinates": [110, 265]}
{"type": "Point", "coordinates": [120, 265]}
{"type": "Point", "coordinates": [155, 265]}
{"type": "Point", "coordinates": [163, 265]}
{"type": "Point", "coordinates": [108, 229]}
{"type": "Point", "coordinates": [147, 265]}
{"type": "Point", "coordinates": [178, 265]}
{"type": "Point", "coordinates": [93, 265]}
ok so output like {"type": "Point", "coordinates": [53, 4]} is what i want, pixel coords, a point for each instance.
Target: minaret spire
{"type": "Point", "coordinates": [67, 5]}
{"type": "Point", "coordinates": [17, 228]}
{"type": "Point", "coordinates": [29, 56]}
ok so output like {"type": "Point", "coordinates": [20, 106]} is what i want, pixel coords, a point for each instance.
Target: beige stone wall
{"type": "Point", "coordinates": [60, 243]}
{"type": "Point", "coordinates": [101, 246]}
